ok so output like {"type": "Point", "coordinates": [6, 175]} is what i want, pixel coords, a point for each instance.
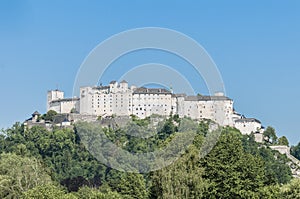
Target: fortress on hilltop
{"type": "Point", "coordinates": [120, 99]}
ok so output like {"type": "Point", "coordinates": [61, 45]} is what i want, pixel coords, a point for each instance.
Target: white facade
{"type": "Point", "coordinates": [217, 108]}
{"type": "Point", "coordinates": [121, 100]}
{"type": "Point", "coordinates": [248, 125]}
{"type": "Point", "coordinates": [52, 96]}
{"type": "Point", "coordinates": [57, 102]}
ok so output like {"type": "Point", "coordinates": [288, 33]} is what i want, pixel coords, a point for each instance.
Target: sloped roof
{"type": "Point", "coordinates": [246, 120]}
{"type": "Point", "coordinates": [143, 90]}
{"type": "Point", "coordinates": [206, 98]}
{"type": "Point", "coordinates": [66, 100]}
{"type": "Point", "coordinates": [36, 113]}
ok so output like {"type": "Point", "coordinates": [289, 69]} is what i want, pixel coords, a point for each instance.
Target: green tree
{"type": "Point", "coordinates": [283, 141]}
{"type": "Point", "coordinates": [92, 193]}
{"type": "Point", "coordinates": [270, 135]}
{"type": "Point", "coordinates": [19, 174]}
{"type": "Point", "coordinates": [129, 185]}
{"type": "Point", "coordinates": [133, 185]}
{"type": "Point", "coordinates": [47, 191]}
{"type": "Point", "coordinates": [233, 172]}
{"type": "Point", "coordinates": [182, 179]}
{"type": "Point", "coordinates": [295, 151]}
{"type": "Point", "coordinates": [276, 167]}
{"type": "Point", "coordinates": [275, 164]}
{"type": "Point", "coordinates": [49, 116]}
{"type": "Point", "coordinates": [270, 192]}
{"type": "Point", "coordinates": [291, 190]}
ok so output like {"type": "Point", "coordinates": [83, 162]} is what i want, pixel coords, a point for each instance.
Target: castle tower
{"type": "Point", "coordinates": [124, 85]}
{"type": "Point", "coordinates": [54, 95]}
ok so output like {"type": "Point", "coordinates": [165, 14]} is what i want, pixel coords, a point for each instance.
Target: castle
{"type": "Point", "coordinates": [120, 99]}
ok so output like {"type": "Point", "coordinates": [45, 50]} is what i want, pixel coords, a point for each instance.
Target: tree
{"type": "Point", "coordinates": [295, 151]}
{"type": "Point", "coordinates": [47, 191]}
{"type": "Point", "coordinates": [129, 185]}
{"type": "Point", "coordinates": [291, 190]}
{"type": "Point", "coordinates": [92, 193]}
{"type": "Point", "coordinates": [19, 174]}
{"type": "Point", "coordinates": [233, 173]}
{"type": "Point", "coordinates": [276, 168]}
{"type": "Point", "coordinates": [270, 135]}
{"type": "Point", "coordinates": [182, 179]}
{"type": "Point", "coordinates": [283, 141]}
{"type": "Point", "coordinates": [49, 116]}
{"type": "Point", "coordinates": [133, 185]}
{"type": "Point", "coordinates": [270, 192]}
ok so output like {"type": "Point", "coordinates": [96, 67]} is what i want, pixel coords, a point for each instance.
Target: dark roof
{"type": "Point", "coordinates": [123, 81]}
{"type": "Point", "coordinates": [36, 113]}
{"type": "Point", "coordinates": [65, 100]}
{"type": "Point", "coordinates": [236, 113]}
{"type": "Point", "coordinates": [244, 120]}
{"type": "Point", "coordinates": [206, 98]}
{"type": "Point", "coordinates": [112, 82]}
{"type": "Point", "coordinates": [101, 87]}
{"type": "Point", "coordinates": [143, 90]}
{"type": "Point", "coordinates": [30, 119]}
{"type": "Point", "coordinates": [55, 90]}
{"type": "Point", "coordinates": [179, 95]}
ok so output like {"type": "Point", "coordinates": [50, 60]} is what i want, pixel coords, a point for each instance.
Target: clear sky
{"type": "Point", "coordinates": [255, 44]}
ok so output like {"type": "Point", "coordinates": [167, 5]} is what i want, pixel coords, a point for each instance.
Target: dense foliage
{"type": "Point", "coordinates": [295, 151]}
{"type": "Point", "coordinates": [37, 163]}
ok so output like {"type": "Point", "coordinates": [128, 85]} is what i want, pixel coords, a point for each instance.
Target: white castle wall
{"type": "Point", "coordinates": [248, 125]}
{"type": "Point", "coordinates": [57, 102]}
{"type": "Point", "coordinates": [54, 95]}
{"type": "Point", "coordinates": [121, 100]}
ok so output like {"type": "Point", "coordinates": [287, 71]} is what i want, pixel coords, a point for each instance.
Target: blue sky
{"type": "Point", "coordinates": [255, 44]}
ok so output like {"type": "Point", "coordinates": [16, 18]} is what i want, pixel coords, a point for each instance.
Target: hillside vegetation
{"type": "Point", "coordinates": [37, 163]}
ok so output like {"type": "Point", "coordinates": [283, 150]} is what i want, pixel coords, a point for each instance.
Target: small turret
{"type": "Point", "coordinates": [35, 116]}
